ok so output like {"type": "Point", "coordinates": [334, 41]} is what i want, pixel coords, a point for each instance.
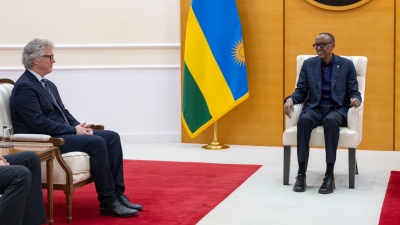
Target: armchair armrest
{"type": "Point", "coordinates": [97, 127]}
{"type": "Point", "coordinates": [290, 122]}
{"type": "Point", "coordinates": [355, 117]}
{"type": "Point", "coordinates": [37, 138]}
{"type": "Point", "coordinates": [31, 137]}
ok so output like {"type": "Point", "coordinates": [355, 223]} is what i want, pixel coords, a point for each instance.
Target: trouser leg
{"type": "Point", "coordinates": [115, 156]}
{"type": "Point", "coordinates": [307, 122]}
{"type": "Point", "coordinates": [104, 149]}
{"type": "Point", "coordinates": [331, 123]}
{"type": "Point", "coordinates": [25, 191]}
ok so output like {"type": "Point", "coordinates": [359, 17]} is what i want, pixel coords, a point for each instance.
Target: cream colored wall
{"type": "Point", "coordinates": [93, 32]}
{"type": "Point", "coordinates": [118, 62]}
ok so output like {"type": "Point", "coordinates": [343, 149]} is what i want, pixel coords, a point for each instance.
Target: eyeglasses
{"type": "Point", "coordinates": [51, 57]}
{"type": "Point", "coordinates": [321, 45]}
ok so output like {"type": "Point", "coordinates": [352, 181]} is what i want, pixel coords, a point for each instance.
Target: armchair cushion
{"type": "Point", "coordinates": [78, 163]}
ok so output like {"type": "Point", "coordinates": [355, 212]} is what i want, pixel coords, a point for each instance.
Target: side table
{"type": "Point", "coordinates": [46, 153]}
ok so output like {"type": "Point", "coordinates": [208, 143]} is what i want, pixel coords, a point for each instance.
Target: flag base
{"type": "Point", "coordinates": [215, 145]}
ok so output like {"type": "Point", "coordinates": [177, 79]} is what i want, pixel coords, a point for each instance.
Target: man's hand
{"type": "Point", "coordinates": [83, 129]}
{"type": "Point", "coordinates": [288, 108]}
{"type": "Point", "coordinates": [3, 161]}
{"type": "Point", "coordinates": [355, 102]}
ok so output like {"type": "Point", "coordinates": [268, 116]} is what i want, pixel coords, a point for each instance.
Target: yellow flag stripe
{"type": "Point", "coordinates": [205, 70]}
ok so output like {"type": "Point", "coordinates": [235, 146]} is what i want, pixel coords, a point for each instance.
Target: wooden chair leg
{"type": "Point", "coordinates": [68, 197]}
{"type": "Point", "coordinates": [352, 167]}
{"type": "Point", "coordinates": [286, 164]}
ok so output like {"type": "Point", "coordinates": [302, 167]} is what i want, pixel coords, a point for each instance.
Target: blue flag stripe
{"type": "Point", "coordinates": [219, 21]}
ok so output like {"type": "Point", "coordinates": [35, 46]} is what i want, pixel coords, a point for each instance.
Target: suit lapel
{"type": "Point", "coordinates": [335, 71]}
{"type": "Point", "coordinates": [40, 87]}
{"type": "Point", "coordinates": [56, 95]}
{"type": "Point", "coordinates": [317, 72]}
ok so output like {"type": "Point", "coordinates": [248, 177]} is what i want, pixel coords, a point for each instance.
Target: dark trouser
{"type": "Point", "coordinates": [105, 151]}
{"type": "Point", "coordinates": [21, 188]}
{"type": "Point", "coordinates": [312, 118]}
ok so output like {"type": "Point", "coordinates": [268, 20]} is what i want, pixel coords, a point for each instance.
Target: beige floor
{"type": "Point", "coordinates": [263, 199]}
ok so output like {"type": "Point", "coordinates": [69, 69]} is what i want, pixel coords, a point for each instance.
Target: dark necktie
{"type": "Point", "coordinates": [54, 99]}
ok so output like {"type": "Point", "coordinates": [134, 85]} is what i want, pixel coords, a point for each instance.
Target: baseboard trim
{"type": "Point", "coordinates": [156, 137]}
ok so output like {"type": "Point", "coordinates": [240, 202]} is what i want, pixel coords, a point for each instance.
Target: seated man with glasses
{"type": "Point", "coordinates": [328, 85]}
{"type": "Point", "coordinates": [36, 108]}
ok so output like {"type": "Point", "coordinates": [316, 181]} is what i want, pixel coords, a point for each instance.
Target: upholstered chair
{"type": "Point", "coordinates": [70, 170]}
{"type": "Point", "coordinates": [350, 136]}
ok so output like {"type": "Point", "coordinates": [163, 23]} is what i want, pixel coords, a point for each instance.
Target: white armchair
{"type": "Point", "coordinates": [350, 136]}
{"type": "Point", "coordinates": [70, 170]}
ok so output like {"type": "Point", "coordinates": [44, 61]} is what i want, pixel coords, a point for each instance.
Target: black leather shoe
{"type": "Point", "coordinates": [118, 210]}
{"type": "Point", "coordinates": [301, 184]}
{"type": "Point", "coordinates": [125, 201]}
{"type": "Point", "coordinates": [328, 186]}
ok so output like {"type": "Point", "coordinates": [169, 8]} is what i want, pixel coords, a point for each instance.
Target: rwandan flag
{"type": "Point", "coordinates": [215, 78]}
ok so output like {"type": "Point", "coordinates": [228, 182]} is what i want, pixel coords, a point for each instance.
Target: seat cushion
{"type": "Point", "coordinates": [79, 164]}
{"type": "Point", "coordinates": [347, 139]}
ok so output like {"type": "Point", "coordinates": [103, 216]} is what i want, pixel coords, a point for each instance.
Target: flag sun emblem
{"type": "Point", "coordinates": [238, 53]}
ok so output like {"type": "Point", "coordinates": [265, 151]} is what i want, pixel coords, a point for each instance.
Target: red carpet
{"type": "Point", "coordinates": [390, 214]}
{"type": "Point", "coordinates": [171, 193]}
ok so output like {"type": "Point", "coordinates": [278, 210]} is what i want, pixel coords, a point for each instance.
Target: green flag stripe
{"type": "Point", "coordinates": [194, 106]}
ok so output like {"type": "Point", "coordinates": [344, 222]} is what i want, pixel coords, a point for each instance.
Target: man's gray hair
{"type": "Point", "coordinates": [35, 50]}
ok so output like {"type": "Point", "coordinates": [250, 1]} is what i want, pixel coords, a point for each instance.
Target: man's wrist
{"type": "Point", "coordinates": [284, 101]}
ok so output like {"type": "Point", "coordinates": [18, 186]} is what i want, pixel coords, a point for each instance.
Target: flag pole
{"type": "Point", "coordinates": [215, 144]}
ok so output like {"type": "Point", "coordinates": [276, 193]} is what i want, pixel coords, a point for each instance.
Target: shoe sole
{"type": "Point", "coordinates": [305, 186]}
{"type": "Point", "coordinates": [328, 192]}
{"type": "Point", "coordinates": [134, 208]}
{"type": "Point", "coordinates": [121, 216]}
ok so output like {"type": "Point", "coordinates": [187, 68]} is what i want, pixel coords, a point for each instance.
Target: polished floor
{"type": "Point", "coordinates": [263, 199]}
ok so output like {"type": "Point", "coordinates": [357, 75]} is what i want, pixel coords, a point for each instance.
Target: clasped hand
{"type": "Point", "coordinates": [84, 129]}
{"type": "Point", "coordinates": [3, 161]}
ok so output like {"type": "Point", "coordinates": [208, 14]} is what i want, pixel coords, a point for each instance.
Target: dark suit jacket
{"type": "Point", "coordinates": [34, 111]}
{"type": "Point", "coordinates": [344, 84]}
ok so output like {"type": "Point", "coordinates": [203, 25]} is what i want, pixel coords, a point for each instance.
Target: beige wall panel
{"type": "Point", "coordinates": [151, 27]}
{"type": "Point", "coordinates": [397, 80]}
{"type": "Point", "coordinates": [259, 119]}
{"type": "Point", "coordinates": [367, 30]}
{"type": "Point", "coordinates": [89, 21]}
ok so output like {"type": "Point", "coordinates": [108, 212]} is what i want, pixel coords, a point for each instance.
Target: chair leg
{"type": "Point", "coordinates": [352, 167]}
{"type": "Point", "coordinates": [68, 197]}
{"type": "Point", "coordinates": [286, 164]}
{"type": "Point", "coordinates": [356, 168]}
{"type": "Point", "coordinates": [308, 156]}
